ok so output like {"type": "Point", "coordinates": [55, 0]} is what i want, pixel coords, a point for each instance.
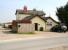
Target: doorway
{"type": "Point", "coordinates": [36, 26]}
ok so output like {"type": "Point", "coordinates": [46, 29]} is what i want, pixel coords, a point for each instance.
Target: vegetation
{"type": "Point", "coordinates": [62, 14]}
{"type": "Point", "coordinates": [59, 28]}
{"type": "Point", "coordinates": [56, 28]}
{"type": "Point", "coordinates": [26, 33]}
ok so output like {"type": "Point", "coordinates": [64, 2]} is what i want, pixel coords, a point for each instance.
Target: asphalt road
{"type": "Point", "coordinates": [34, 44]}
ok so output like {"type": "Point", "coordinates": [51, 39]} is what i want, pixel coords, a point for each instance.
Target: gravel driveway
{"type": "Point", "coordinates": [5, 35]}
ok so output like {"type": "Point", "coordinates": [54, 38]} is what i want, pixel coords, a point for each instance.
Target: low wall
{"type": "Point", "coordinates": [26, 28]}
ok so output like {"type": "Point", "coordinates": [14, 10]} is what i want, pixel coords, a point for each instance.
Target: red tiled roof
{"type": "Point", "coordinates": [22, 21]}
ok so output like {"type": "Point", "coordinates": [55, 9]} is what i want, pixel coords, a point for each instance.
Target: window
{"type": "Point", "coordinates": [18, 25]}
{"type": "Point", "coordinates": [49, 23]}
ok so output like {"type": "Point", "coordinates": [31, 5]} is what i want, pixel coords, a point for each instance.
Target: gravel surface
{"type": "Point", "coordinates": [6, 35]}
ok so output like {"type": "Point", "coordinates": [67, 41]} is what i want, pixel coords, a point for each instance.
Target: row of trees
{"type": "Point", "coordinates": [62, 14]}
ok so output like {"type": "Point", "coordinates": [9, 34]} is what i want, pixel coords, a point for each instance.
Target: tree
{"type": "Point", "coordinates": [62, 14]}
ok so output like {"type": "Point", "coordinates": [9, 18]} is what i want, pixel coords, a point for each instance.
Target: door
{"type": "Point", "coordinates": [36, 26]}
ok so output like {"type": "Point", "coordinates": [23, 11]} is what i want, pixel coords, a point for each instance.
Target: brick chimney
{"type": "Point", "coordinates": [25, 9]}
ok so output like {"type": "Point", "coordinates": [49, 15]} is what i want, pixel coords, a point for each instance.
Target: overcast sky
{"type": "Point", "coordinates": [8, 7]}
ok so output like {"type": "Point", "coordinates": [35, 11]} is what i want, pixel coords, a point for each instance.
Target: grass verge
{"type": "Point", "coordinates": [26, 33]}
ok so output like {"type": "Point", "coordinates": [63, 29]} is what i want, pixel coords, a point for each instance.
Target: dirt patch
{"type": "Point", "coordinates": [7, 35]}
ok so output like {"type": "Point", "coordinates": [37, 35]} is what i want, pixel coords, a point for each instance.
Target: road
{"type": "Point", "coordinates": [34, 44]}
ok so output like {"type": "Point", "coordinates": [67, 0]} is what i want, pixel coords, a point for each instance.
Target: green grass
{"type": "Point", "coordinates": [26, 33]}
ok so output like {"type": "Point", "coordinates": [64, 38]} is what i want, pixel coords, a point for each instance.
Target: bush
{"type": "Point", "coordinates": [56, 28]}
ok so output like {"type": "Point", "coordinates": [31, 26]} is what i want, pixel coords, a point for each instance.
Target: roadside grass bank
{"type": "Point", "coordinates": [26, 33]}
